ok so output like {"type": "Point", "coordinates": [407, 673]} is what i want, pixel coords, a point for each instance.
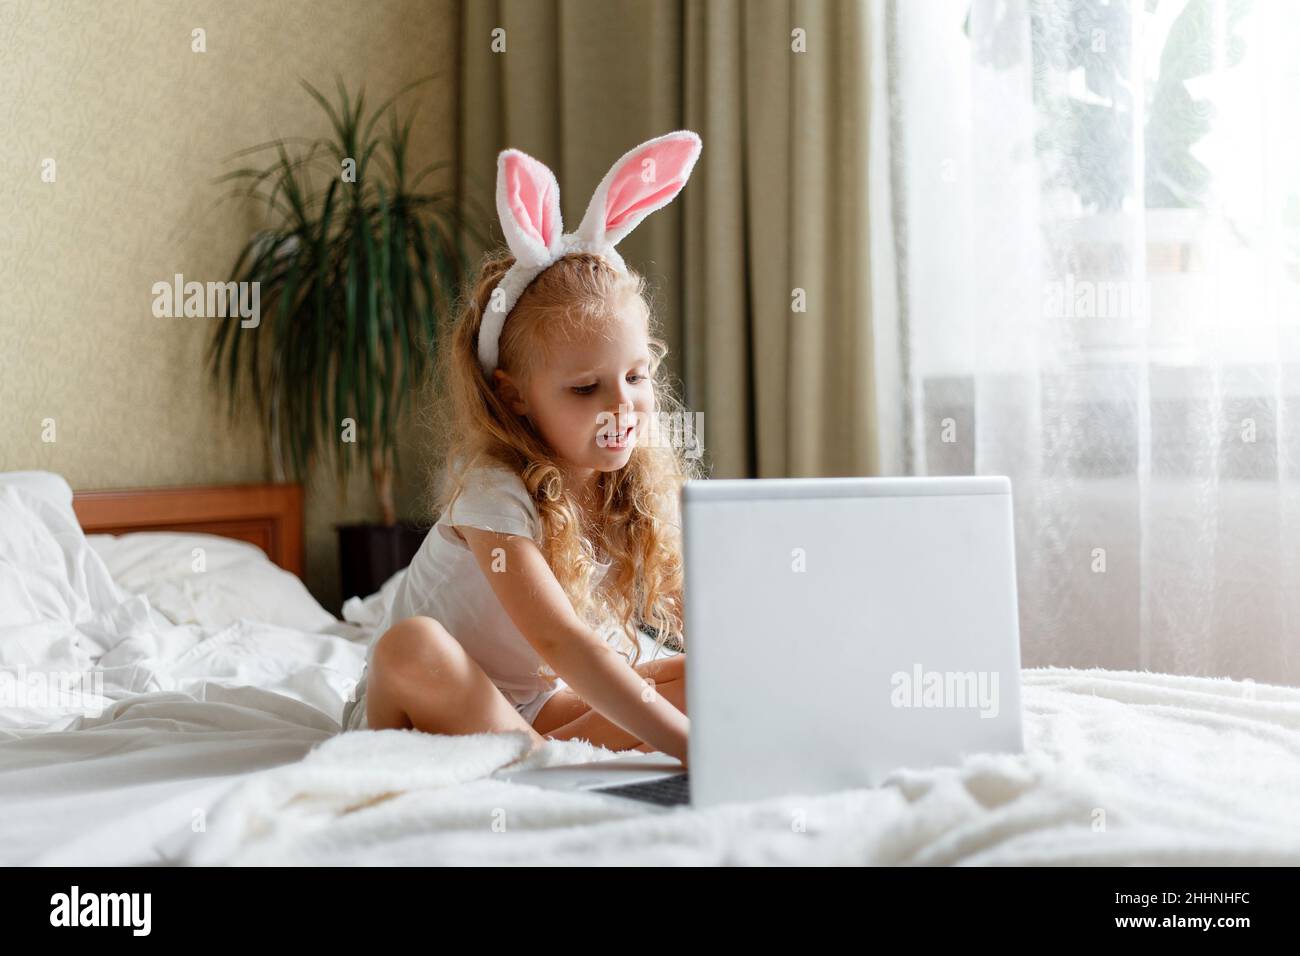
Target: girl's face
{"type": "Point", "coordinates": [592, 402]}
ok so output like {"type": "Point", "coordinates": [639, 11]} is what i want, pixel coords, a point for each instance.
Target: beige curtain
{"type": "Point", "coordinates": [761, 270]}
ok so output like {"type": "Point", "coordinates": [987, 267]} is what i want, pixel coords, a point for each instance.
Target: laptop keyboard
{"type": "Point", "coordinates": [666, 791]}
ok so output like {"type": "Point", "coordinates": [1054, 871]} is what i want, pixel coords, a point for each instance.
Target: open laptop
{"type": "Point", "coordinates": [837, 629]}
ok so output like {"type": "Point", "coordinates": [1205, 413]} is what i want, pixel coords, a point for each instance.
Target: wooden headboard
{"type": "Point", "coordinates": [269, 516]}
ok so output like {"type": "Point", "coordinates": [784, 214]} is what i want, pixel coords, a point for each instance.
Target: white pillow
{"type": "Point", "coordinates": [45, 485]}
{"type": "Point", "coordinates": [45, 576]}
{"type": "Point", "coordinates": [208, 580]}
{"type": "Point", "coordinates": [58, 601]}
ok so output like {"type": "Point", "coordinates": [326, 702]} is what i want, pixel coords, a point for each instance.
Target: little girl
{"type": "Point", "coordinates": [560, 528]}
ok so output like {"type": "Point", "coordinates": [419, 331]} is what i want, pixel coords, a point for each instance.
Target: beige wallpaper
{"type": "Point", "coordinates": [138, 125]}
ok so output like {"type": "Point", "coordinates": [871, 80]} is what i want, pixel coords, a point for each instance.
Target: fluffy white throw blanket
{"type": "Point", "coordinates": [1120, 768]}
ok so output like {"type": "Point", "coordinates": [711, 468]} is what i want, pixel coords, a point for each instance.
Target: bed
{"type": "Point", "coordinates": [202, 728]}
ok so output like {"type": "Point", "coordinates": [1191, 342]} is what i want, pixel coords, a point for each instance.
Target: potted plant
{"type": "Point", "coordinates": [355, 271]}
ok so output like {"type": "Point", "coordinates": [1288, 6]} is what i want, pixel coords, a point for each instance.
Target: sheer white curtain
{"type": "Point", "coordinates": [1094, 218]}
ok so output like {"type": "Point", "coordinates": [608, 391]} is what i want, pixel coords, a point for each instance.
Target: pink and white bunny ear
{"type": "Point", "coordinates": [644, 179]}
{"type": "Point", "coordinates": [528, 203]}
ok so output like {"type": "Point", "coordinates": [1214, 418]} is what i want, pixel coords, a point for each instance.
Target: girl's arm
{"type": "Point", "coordinates": [524, 583]}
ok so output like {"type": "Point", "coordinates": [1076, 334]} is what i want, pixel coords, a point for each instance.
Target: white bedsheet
{"type": "Point", "coordinates": [185, 715]}
{"type": "Point", "coordinates": [118, 727]}
{"type": "Point", "coordinates": [222, 746]}
{"type": "Point", "coordinates": [1120, 769]}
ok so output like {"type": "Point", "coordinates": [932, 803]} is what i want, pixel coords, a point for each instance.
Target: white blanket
{"type": "Point", "coordinates": [221, 745]}
{"type": "Point", "coordinates": [1120, 768]}
{"type": "Point", "coordinates": [119, 728]}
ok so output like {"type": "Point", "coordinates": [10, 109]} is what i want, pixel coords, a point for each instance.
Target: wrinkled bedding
{"type": "Point", "coordinates": [1119, 769]}
{"type": "Point", "coordinates": [196, 744]}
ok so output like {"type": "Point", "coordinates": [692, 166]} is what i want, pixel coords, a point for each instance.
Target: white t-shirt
{"type": "Point", "coordinates": [445, 582]}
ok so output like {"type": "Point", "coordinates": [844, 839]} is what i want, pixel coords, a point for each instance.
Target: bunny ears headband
{"type": "Point", "coordinates": [644, 179]}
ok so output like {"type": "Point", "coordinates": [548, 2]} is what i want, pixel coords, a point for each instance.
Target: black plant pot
{"type": "Point", "coordinates": [370, 554]}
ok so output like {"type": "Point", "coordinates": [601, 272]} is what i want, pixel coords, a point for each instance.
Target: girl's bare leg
{"type": "Point", "coordinates": [421, 678]}
{"type": "Point", "coordinates": [566, 716]}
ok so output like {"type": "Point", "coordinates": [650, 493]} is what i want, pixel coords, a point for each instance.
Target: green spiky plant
{"type": "Point", "coordinates": [355, 272]}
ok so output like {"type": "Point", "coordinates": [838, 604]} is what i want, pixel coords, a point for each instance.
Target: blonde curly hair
{"type": "Point", "coordinates": [640, 530]}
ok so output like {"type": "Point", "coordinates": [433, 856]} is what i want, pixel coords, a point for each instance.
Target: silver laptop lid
{"type": "Point", "coordinates": [840, 628]}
